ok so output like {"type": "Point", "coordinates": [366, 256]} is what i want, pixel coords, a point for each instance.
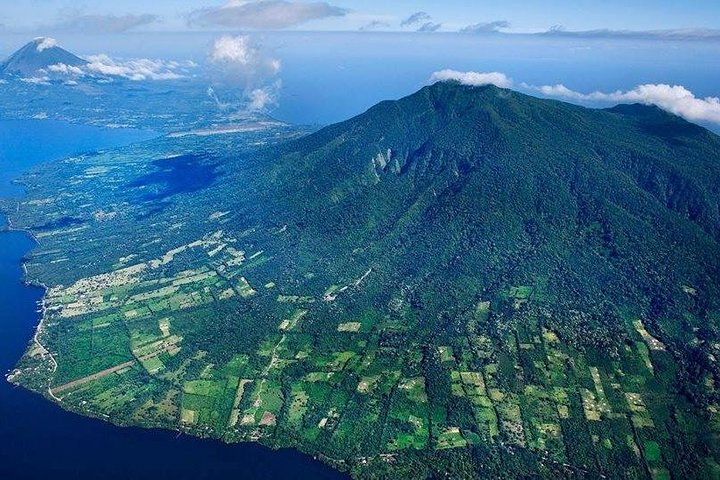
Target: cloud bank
{"type": "Point", "coordinates": [488, 27]}
{"type": "Point", "coordinates": [68, 70]}
{"type": "Point", "coordinates": [138, 69]}
{"type": "Point", "coordinates": [688, 34]}
{"type": "Point", "coordinates": [263, 14]}
{"type": "Point", "coordinates": [429, 27]}
{"type": "Point", "coordinates": [374, 25]}
{"type": "Point", "coordinates": [104, 67]}
{"type": "Point", "coordinates": [103, 23]}
{"type": "Point", "coordinates": [241, 69]}
{"type": "Point", "coordinates": [675, 99]}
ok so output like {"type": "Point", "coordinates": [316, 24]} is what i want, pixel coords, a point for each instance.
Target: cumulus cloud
{"type": "Point", "coordinates": [474, 79]}
{"type": "Point", "coordinates": [487, 27]}
{"type": "Point", "coordinates": [675, 99]}
{"type": "Point", "coordinates": [688, 34]}
{"type": "Point", "coordinates": [242, 70]}
{"type": "Point", "coordinates": [416, 18]}
{"type": "Point", "coordinates": [43, 43]}
{"type": "Point", "coordinates": [263, 14]}
{"type": "Point", "coordinates": [240, 57]}
{"type": "Point", "coordinates": [138, 69]}
{"type": "Point", "coordinates": [103, 23]}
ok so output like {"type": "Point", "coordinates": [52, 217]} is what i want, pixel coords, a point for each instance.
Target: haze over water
{"type": "Point", "coordinates": [330, 76]}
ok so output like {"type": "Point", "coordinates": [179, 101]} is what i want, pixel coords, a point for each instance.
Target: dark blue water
{"type": "Point", "coordinates": [24, 143]}
{"type": "Point", "coordinates": [37, 438]}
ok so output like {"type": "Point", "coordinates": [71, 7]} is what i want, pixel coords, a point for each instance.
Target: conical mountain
{"type": "Point", "coordinates": [39, 54]}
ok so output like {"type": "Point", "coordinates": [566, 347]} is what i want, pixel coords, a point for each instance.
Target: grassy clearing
{"type": "Point", "coordinates": [450, 437]}
{"type": "Point", "coordinates": [352, 327]}
{"type": "Point", "coordinates": [293, 322]}
{"type": "Point", "coordinates": [188, 416]}
{"type": "Point", "coordinates": [244, 289]}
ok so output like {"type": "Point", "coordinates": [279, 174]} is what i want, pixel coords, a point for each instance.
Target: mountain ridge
{"type": "Point", "coordinates": [487, 126]}
{"type": "Point", "coordinates": [386, 177]}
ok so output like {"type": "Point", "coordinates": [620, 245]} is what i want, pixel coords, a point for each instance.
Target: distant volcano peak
{"type": "Point", "coordinates": [39, 54]}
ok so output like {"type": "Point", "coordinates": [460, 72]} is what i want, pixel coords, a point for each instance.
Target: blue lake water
{"type": "Point", "coordinates": [40, 440]}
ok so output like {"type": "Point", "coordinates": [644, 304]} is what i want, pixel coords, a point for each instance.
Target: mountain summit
{"type": "Point", "coordinates": [40, 54]}
{"type": "Point", "coordinates": [474, 191]}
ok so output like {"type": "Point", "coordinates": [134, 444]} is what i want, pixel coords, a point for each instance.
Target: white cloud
{"type": "Point", "coordinates": [239, 56]}
{"type": "Point", "coordinates": [243, 69]}
{"type": "Point", "coordinates": [263, 14]}
{"type": "Point", "coordinates": [138, 69]}
{"type": "Point", "coordinates": [37, 80]}
{"type": "Point", "coordinates": [474, 79]}
{"type": "Point", "coordinates": [262, 98]}
{"type": "Point", "coordinates": [230, 49]}
{"type": "Point", "coordinates": [675, 99]}
{"type": "Point", "coordinates": [220, 104]}
{"type": "Point", "coordinates": [43, 43]}
{"type": "Point", "coordinates": [64, 69]}
{"type": "Point", "coordinates": [102, 68]}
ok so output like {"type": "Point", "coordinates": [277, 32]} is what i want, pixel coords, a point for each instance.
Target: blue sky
{"type": "Point", "coordinates": [448, 15]}
{"type": "Point", "coordinates": [662, 52]}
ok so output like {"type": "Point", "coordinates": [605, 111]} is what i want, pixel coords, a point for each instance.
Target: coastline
{"type": "Point", "coordinates": [296, 456]}
{"type": "Point", "coordinates": [340, 467]}
{"type": "Point", "coordinates": [42, 306]}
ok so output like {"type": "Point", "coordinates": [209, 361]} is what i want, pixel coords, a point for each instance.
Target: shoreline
{"type": "Point", "coordinates": [12, 376]}
{"type": "Point", "coordinates": [35, 320]}
{"type": "Point", "coordinates": [340, 467]}
{"type": "Point", "coordinates": [42, 310]}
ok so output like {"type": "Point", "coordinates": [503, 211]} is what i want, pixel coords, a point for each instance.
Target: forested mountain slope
{"type": "Point", "coordinates": [468, 282]}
